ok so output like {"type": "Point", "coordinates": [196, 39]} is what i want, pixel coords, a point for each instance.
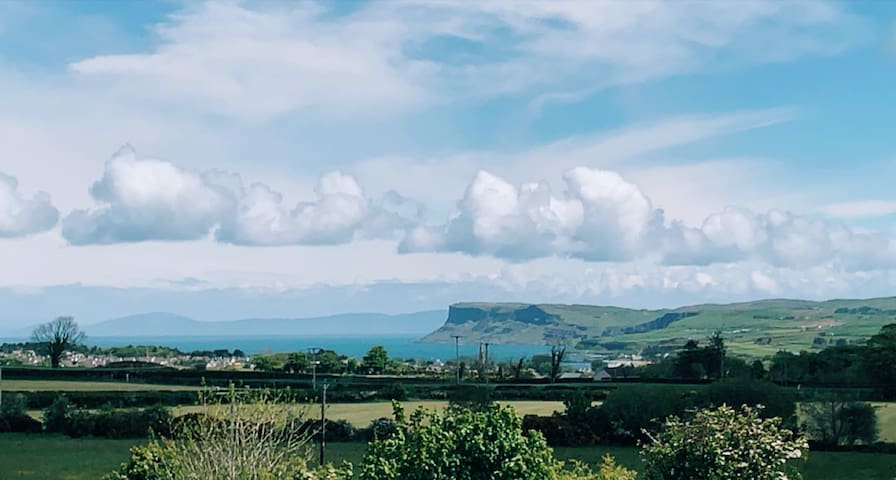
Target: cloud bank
{"type": "Point", "coordinates": [602, 217]}
{"type": "Point", "coordinates": [21, 216]}
{"type": "Point", "coordinates": [147, 199]}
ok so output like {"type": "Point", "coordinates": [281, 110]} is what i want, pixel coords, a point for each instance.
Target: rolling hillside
{"type": "Point", "coordinates": [752, 328]}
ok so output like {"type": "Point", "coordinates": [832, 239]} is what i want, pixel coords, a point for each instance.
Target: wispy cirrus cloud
{"type": "Point", "coordinates": [860, 209]}
{"type": "Point", "coordinates": [259, 62]}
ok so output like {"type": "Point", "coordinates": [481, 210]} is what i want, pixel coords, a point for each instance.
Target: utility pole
{"type": "Point", "coordinates": [314, 362]}
{"type": "Point", "coordinates": [485, 365]}
{"type": "Point", "coordinates": [323, 423]}
{"type": "Point", "coordinates": [456, 357]}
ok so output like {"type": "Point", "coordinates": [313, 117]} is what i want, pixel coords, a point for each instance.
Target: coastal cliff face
{"type": "Point", "coordinates": [502, 323]}
{"type": "Point", "coordinates": [531, 314]}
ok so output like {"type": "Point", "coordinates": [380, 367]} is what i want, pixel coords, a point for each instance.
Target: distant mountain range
{"type": "Point", "coordinates": [163, 324]}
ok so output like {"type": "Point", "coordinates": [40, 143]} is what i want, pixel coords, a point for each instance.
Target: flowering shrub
{"type": "Point", "coordinates": [723, 444]}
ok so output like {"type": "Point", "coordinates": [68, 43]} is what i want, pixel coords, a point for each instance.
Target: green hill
{"type": "Point", "coordinates": [752, 328]}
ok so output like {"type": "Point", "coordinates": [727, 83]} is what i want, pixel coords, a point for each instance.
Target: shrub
{"type": "Point", "coordinates": [395, 391]}
{"type": "Point", "coordinates": [462, 443]}
{"type": "Point", "coordinates": [627, 416]}
{"type": "Point", "coordinates": [608, 471]}
{"type": "Point", "coordinates": [57, 415]}
{"type": "Point", "coordinates": [472, 444]}
{"type": "Point", "coordinates": [14, 418]}
{"type": "Point", "coordinates": [337, 430]}
{"type": "Point", "coordinates": [777, 401]}
{"type": "Point", "coordinates": [833, 422]}
{"type": "Point", "coordinates": [381, 428]}
{"type": "Point", "coordinates": [205, 447]}
{"type": "Point", "coordinates": [560, 430]}
{"type": "Point", "coordinates": [722, 444]}
{"type": "Point", "coordinates": [109, 422]}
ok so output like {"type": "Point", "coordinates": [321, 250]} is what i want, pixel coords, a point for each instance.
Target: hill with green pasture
{"type": "Point", "coordinates": [753, 329]}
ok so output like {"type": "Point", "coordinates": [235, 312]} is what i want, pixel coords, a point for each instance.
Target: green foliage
{"type": "Point", "coordinates": [722, 444]}
{"type": "Point", "coordinates": [266, 363]}
{"type": "Point", "coordinates": [382, 428]}
{"type": "Point", "coordinates": [777, 401]}
{"type": "Point", "coordinates": [58, 414]}
{"type": "Point", "coordinates": [832, 422]}
{"type": "Point", "coordinates": [63, 417]}
{"type": "Point", "coordinates": [608, 470]}
{"type": "Point", "coordinates": [376, 360]}
{"type": "Point", "coordinates": [296, 362]}
{"type": "Point", "coordinates": [396, 391]}
{"type": "Point", "coordinates": [472, 397]}
{"type": "Point", "coordinates": [625, 417]}
{"type": "Point", "coordinates": [460, 444]}
{"type": "Point", "coordinates": [14, 418]}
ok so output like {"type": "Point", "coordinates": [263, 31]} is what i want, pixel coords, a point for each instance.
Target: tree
{"type": "Point", "coordinates": [557, 354]}
{"type": "Point", "coordinates": [517, 368]}
{"type": "Point", "coordinates": [376, 359]}
{"type": "Point", "coordinates": [880, 358]}
{"type": "Point", "coordinates": [723, 443]}
{"type": "Point", "coordinates": [296, 362]}
{"type": "Point", "coordinates": [264, 363]}
{"type": "Point", "coordinates": [717, 348]}
{"type": "Point", "coordinates": [58, 336]}
{"type": "Point", "coordinates": [833, 421]}
{"type": "Point", "coordinates": [757, 370]}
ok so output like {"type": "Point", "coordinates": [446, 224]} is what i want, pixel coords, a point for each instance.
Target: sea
{"type": "Point", "coordinates": [398, 346]}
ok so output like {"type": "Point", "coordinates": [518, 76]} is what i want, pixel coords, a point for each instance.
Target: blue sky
{"type": "Point", "coordinates": [633, 153]}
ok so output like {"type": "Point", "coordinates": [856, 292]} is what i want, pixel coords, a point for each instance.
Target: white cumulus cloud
{"type": "Point", "coordinates": [600, 216]}
{"type": "Point", "coordinates": [147, 199]}
{"type": "Point", "coordinates": [19, 215]}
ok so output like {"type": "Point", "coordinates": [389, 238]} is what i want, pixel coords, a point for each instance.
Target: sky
{"type": "Point", "coordinates": [232, 159]}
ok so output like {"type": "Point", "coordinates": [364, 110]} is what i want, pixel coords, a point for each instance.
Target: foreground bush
{"type": "Point", "coordinates": [239, 435]}
{"type": "Point", "coordinates": [723, 444]}
{"type": "Point", "coordinates": [486, 443]}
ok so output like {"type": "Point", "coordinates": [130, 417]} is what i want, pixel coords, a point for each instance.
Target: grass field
{"type": "Point", "coordinates": [52, 457]}
{"type": "Point", "coordinates": [886, 421]}
{"type": "Point", "coordinates": [361, 414]}
{"type": "Point", "coordinates": [70, 386]}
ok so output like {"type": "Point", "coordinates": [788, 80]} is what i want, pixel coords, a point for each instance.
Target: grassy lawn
{"type": "Point", "coordinates": [886, 421]}
{"type": "Point", "coordinates": [42, 457]}
{"type": "Point", "coordinates": [70, 386]}
{"type": "Point", "coordinates": [39, 457]}
{"type": "Point", "coordinates": [361, 414]}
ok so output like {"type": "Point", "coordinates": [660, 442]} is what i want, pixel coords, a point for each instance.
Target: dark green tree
{"type": "Point", "coordinates": [376, 359]}
{"type": "Point", "coordinates": [296, 362]}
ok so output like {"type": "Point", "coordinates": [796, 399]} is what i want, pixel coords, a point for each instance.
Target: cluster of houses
{"type": "Point", "coordinates": [89, 360]}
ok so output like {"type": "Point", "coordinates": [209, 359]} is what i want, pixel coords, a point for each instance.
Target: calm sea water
{"type": "Point", "coordinates": [397, 346]}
